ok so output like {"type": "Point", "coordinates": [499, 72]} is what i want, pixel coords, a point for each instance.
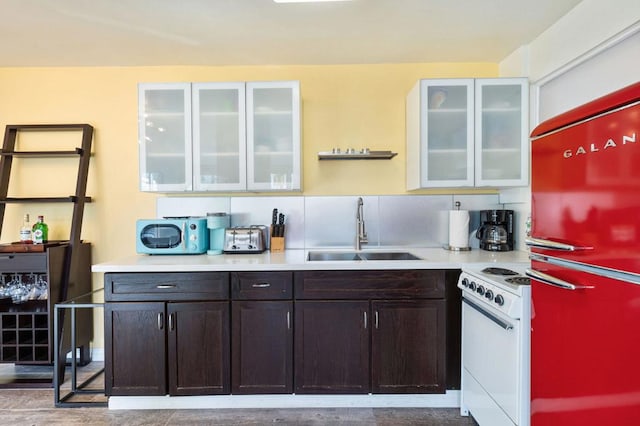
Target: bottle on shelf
{"type": "Point", "coordinates": [40, 231]}
{"type": "Point", "coordinates": [25, 230]}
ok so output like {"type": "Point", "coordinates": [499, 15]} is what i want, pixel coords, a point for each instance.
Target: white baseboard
{"type": "Point", "coordinates": [449, 400]}
{"type": "Point", "coordinates": [97, 354]}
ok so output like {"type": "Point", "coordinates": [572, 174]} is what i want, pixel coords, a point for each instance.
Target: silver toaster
{"type": "Point", "coordinates": [245, 239]}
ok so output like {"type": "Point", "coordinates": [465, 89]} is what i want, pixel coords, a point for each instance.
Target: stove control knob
{"type": "Point", "coordinates": [489, 295]}
{"type": "Point", "coordinates": [465, 282]}
{"type": "Point", "coordinates": [499, 300]}
{"type": "Point", "coordinates": [472, 286]}
{"type": "Point", "coordinates": [480, 290]}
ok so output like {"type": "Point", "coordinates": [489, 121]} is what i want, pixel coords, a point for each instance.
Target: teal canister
{"type": "Point", "coordinates": [216, 223]}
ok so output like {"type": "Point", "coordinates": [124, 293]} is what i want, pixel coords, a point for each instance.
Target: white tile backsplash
{"type": "Point", "coordinates": [330, 221]}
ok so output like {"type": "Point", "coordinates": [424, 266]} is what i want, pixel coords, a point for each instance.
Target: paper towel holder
{"type": "Point", "coordinates": [456, 248]}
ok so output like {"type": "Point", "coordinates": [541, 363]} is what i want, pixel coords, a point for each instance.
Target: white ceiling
{"type": "Point", "coordinates": [261, 32]}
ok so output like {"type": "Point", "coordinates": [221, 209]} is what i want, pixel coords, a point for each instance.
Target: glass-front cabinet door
{"type": "Point", "coordinates": [164, 136]}
{"type": "Point", "coordinates": [273, 136]}
{"type": "Point", "coordinates": [219, 148]}
{"type": "Point", "coordinates": [501, 132]}
{"type": "Point", "coordinates": [447, 133]}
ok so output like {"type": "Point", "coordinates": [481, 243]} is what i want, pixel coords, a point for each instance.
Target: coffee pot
{"type": "Point", "coordinates": [496, 230]}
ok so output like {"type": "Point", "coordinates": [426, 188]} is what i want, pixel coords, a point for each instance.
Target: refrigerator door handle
{"type": "Point", "coordinates": [552, 245]}
{"type": "Point", "coordinates": [553, 281]}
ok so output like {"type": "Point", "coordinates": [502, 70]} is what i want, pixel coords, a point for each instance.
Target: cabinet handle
{"type": "Point", "coordinates": [288, 320]}
{"type": "Point", "coordinates": [165, 286]}
{"type": "Point", "coordinates": [171, 322]}
{"type": "Point", "coordinates": [376, 319]}
{"type": "Point", "coordinates": [261, 285]}
{"type": "Point", "coordinates": [160, 321]}
{"type": "Point", "coordinates": [9, 257]}
{"type": "Point", "coordinates": [365, 319]}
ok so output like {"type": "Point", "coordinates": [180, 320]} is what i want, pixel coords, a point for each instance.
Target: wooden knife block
{"type": "Point", "coordinates": [277, 243]}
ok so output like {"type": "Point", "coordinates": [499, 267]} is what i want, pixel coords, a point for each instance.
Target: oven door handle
{"type": "Point", "coordinates": [492, 317]}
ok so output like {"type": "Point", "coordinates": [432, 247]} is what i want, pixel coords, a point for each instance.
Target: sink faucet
{"type": "Point", "coordinates": [361, 235]}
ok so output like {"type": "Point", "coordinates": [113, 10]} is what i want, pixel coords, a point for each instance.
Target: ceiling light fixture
{"type": "Point", "coordinates": [304, 1]}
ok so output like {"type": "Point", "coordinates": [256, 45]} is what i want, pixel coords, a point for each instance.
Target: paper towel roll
{"type": "Point", "coordinates": [458, 229]}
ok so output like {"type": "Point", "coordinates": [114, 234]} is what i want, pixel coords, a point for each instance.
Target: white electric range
{"type": "Point", "coordinates": [496, 328]}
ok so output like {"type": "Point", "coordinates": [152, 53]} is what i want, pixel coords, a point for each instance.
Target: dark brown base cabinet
{"type": "Point", "coordinates": [281, 332]}
{"type": "Point", "coordinates": [162, 347]}
{"type": "Point", "coordinates": [391, 341]}
{"type": "Point", "coordinates": [262, 332]}
{"type": "Point", "coordinates": [407, 346]}
{"type": "Point", "coordinates": [332, 347]}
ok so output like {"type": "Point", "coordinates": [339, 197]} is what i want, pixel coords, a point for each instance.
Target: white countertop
{"type": "Point", "coordinates": [431, 258]}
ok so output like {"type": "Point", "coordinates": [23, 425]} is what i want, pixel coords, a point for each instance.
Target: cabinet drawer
{"type": "Point", "coordinates": [396, 284]}
{"type": "Point", "coordinates": [166, 286]}
{"type": "Point", "coordinates": [23, 262]}
{"type": "Point", "coordinates": [261, 285]}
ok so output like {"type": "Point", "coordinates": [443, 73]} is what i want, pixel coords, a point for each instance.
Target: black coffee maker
{"type": "Point", "coordinates": [496, 230]}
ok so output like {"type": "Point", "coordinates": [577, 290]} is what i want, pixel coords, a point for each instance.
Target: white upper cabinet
{"type": "Point", "coordinates": [466, 133]}
{"type": "Point", "coordinates": [502, 142]}
{"type": "Point", "coordinates": [220, 136]}
{"type": "Point", "coordinates": [219, 148]}
{"type": "Point", "coordinates": [164, 130]}
{"type": "Point", "coordinates": [273, 136]}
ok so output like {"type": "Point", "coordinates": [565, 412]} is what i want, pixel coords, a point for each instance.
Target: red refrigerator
{"type": "Point", "coordinates": [585, 264]}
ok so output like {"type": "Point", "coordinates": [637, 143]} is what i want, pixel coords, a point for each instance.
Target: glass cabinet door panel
{"type": "Point", "coordinates": [501, 132]}
{"type": "Point", "coordinates": [219, 148]}
{"type": "Point", "coordinates": [273, 136]}
{"type": "Point", "coordinates": [447, 139]}
{"type": "Point", "coordinates": [164, 136]}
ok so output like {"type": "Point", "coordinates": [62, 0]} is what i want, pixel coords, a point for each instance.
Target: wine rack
{"type": "Point", "coordinates": [25, 337]}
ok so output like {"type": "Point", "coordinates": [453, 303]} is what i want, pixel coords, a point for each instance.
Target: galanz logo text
{"type": "Point", "coordinates": [597, 147]}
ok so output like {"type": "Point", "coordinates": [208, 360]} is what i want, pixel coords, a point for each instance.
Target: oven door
{"type": "Point", "coordinates": [491, 364]}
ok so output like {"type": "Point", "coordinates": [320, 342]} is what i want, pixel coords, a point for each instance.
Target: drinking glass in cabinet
{"type": "Point", "coordinates": [23, 287]}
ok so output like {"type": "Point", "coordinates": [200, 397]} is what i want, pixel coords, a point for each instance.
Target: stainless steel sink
{"type": "Point", "coordinates": [392, 255]}
{"type": "Point", "coordinates": [323, 255]}
{"type": "Point", "coordinates": [363, 255]}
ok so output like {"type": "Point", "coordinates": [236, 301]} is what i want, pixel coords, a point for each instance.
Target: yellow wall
{"type": "Point", "coordinates": [343, 106]}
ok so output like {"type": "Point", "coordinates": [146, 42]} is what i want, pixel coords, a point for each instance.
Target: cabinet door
{"type": "Point", "coordinates": [164, 136]}
{"type": "Point", "coordinates": [262, 347]}
{"type": "Point", "coordinates": [199, 348]}
{"type": "Point", "coordinates": [332, 347]}
{"type": "Point", "coordinates": [273, 136]}
{"type": "Point", "coordinates": [408, 346]}
{"type": "Point", "coordinates": [135, 349]}
{"type": "Point", "coordinates": [501, 132]}
{"type": "Point", "coordinates": [219, 137]}
{"type": "Point", "coordinates": [446, 133]}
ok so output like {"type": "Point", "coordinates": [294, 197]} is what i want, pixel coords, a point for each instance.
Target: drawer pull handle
{"type": "Point", "coordinates": [165, 286]}
{"type": "Point", "coordinates": [9, 257]}
{"type": "Point", "coordinates": [261, 285]}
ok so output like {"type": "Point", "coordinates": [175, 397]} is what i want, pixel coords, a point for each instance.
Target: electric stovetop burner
{"type": "Point", "coordinates": [499, 271]}
{"type": "Point", "coordinates": [519, 280]}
